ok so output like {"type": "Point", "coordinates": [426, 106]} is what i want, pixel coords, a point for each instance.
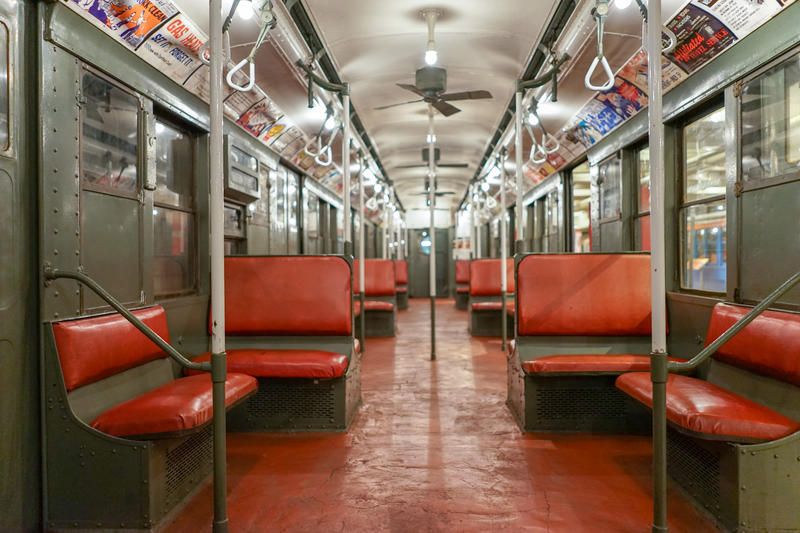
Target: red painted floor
{"type": "Point", "coordinates": [434, 449]}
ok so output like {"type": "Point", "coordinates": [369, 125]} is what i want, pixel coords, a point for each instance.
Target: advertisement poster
{"type": "Point", "coordinates": [741, 16]}
{"type": "Point", "coordinates": [256, 119]}
{"type": "Point", "coordinates": [600, 116]}
{"type": "Point", "coordinates": [625, 98]}
{"type": "Point", "coordinates": [701, 37]}
{"type": "Point", "coordinates": [173, 49]}
{"type": "Point", "coordinates": [276, 130]}
{"type": "Point", "coordinates": [238, 103]}
{"type": "Point", "coordinates": [130, 21]}
{"type": "Point", "coordinates": [285, 139]}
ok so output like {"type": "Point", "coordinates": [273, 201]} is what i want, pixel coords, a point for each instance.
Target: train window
{"type": "Point", "coordinates": [702, 217]}
{"type": "Point", "coordinates": [581, 208]}
{"type": "Point", "coordinates": [610, 184]}
{"type": "Point", "coordinates": [292, 202]}
{"type": "Point", "coordinates": [552, 207]}
{"type": "Point", "coordinates": [4, 95]}
{"type": "Point", "coordinates": [311, 232]}
{"type": "Point", "coordinates": [110, 130]}
{"type": "Point", "coordinates": [174, 242]}
{"type": "Point", "coordinates": [642, 216]}
{"type": "Point", "coordinates": [770, 122]}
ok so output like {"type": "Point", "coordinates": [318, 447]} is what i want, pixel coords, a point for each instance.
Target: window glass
{"type": "Point", "coordinates": [771, 122]}
{"type": "Point", "coordinates": [233, 221]}
{"type": "Point", "coordinates": [581, 208]}
{"type": "Point", "coordinates": [110, 130]}
{"type": "Point", "coordinates": [642, 233]}
{"type": "Point", "coordinates": [4, 96]}
{"type": "Point", "coordinates": [610, 182]}
{"type": "Point", "coordinates": [703, 243]}
{"type": "Point", "coordinates": [174, 242]}
{"type": "Point", "coordinates": [704, 157]}
{"type": "Point", "coordinates": [174, 252]}
{"type": "Point", "coordinates": [244, 160]}
{"type": "Point", "coordinates": [174, 166]}
{"type": "Point", "coordinates": [643, 179]}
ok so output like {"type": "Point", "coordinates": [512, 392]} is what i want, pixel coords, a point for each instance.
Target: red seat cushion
{"type": "Point", "coordinates": [402, 288]}
{"type": "Point", "coordinates": [311, 364]}
{"type": "Point", "coordinates": [462, 289]}
{"type": "Point", "coordinates": [462, 271]}
{"type": "Point", "coordinates": [94, 348]}
{"type": "Point", "coordinates": [709, 411]}
{"type": "Point", "coordinates": [769, 345]}
{"type": "Point", "coordinates": [588, 364]}
{"type": "Point", "coordinates": [373, 305]}
{"type": "Point", "coordinates": [178, 406]}
{"type": "Point", "coordinates": [581, 294]}
{"type": "Point", "coordinates": [400, 272]}
{"type": "Point", "coordinates": [486, 306]}
{"type": "Point", "coordinates": [379, 277]}
{"type": "Point", "coordinates": [485, 277]}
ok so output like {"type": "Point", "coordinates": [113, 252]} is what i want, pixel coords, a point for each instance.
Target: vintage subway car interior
{"type": "Point", "coordinates": [303, 265]}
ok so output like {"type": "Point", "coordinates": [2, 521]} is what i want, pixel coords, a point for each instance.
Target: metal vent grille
{"type": "Point", "coordinates": [696, 469]}
{"type": "Point", "coordinates": [291, 399]}
{"type": "Point", "coordinates": [579, 404]}
{"type": "Point", "coordinates": [188, 464]}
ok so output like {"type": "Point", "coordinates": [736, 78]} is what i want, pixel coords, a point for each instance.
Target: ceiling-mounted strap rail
{"type": "Point", "coordinates": [599, 12]}
{"type": "Point", "coordinates": [266, 22]}
{"type": "Point", "coordinates": [51, 274]}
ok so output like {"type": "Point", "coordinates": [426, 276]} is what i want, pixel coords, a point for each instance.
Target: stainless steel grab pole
{"type": "Point", "coordinates": [217, 245]}
{"type": "Point", "coordinates": [503, 249]}
{"type": "Point", "coordinates": [362, 220]}
{"type": "Point", "coordinates": [658, 372]}
{"type": "Point", "coordinates": [432, 230]}
{"type": "Point", "coordinates": [519, 224]}
{"type": "Point", "coordinates": [348, 225]}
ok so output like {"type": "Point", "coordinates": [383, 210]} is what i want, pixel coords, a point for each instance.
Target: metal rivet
{"type": "Point", "coordinates": [55, 210]}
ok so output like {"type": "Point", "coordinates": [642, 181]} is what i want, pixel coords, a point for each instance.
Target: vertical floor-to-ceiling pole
{"type": "Point", "coordinates": [478, 235]}
{"type": "Point", "coordinates": [432, 230]}
{"type": "Point", "coordinates": [348, 226]}
{"type": "Point", "coordinates": [473, 245]}
{"type": "Point", "coordinates": [217, 207]}
{"type": "Point", "coordinates": [362, 221]}
{"type": "Point", "coordinates": [503, 248]}
{"type": "Point", "coordinates": [658, 280]}
{"type": "Point", "coordinates": [519, 222]}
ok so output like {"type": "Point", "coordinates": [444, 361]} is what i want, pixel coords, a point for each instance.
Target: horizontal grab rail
{"type": "Point", "coordinates": [53, 273]}
{"type": "Point", "coordinates": [698, 359]}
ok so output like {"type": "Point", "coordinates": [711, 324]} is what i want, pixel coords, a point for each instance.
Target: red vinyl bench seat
{"type": "Point", "coordinates": [261, 363]}
{"type": "Point", "coordinates": [768, 346]}
{"type": "Point", "coordinates": [402, 289]}
{"type": "Point", "coordinates": [373, 305]}
{"type": "Point", "coordinates": [492, 306]}
{"type": "Point", "coordinates": [462, 289]}
{"type": "Point", "coordinates": [95, 348]}
{"type": "Point", "coordinates": [595, 364]}
{"type": "Point", "coordinates": [177, 407]}
{"type": "Point", "coordinates": [709, 411]}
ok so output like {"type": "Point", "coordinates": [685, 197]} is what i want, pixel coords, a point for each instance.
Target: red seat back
{"type": "Point", "coordinates": [400, 272]}
{"type": "Point", "coordinates": [769, 345]}
{"type": "Point", "coordinates": [379, 277]}
{"type": "Point", "coordinates": [94, 348]}
{"type": "Point", "coordinates": [485, 274]}
{"type": "Point", "coordinates": [462, 271]}
{"type": "Point", "coordinates": [288, 295]}
{"type": "Point", "coordinates": [584, 294]}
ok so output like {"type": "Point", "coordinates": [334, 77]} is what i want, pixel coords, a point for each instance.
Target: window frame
{"type": "Point", "coordinates": [743, 185]}
{"type": "Point", "coordinates": [8, 149]}
{"type": "Point", "coordinates": [638, 213]}
{"type": "Point", "coordinates": [714, 104]}
{"type": "Point", "coordinates": [176, 124]}
{"type": "Point", "coordinates": [600, 195]}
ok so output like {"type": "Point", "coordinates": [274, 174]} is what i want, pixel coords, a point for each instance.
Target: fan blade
{"type": "Point", "coordinates": [466, 95]}
{"type": "Point", "coordinates": [412, 88]}
{"type": "Point", "coordinates": [445, 109]}
{"type": "Point", "coordinates": [381, 108]}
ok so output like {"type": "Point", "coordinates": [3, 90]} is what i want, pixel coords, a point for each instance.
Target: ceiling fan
{"type": "Point", "coordinates": [438, 193]}
{"type": "Point", "coordinates": [436, 156]}
{"type": "Point", "coordinates": [431, 82]}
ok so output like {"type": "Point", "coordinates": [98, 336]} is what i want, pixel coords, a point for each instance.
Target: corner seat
{"type": "Point", "coordinates": [180, 406]}
{"type": "Point", "coordinates": [707, 411]}
{"type": "Point", "coordinates": [308, 364]}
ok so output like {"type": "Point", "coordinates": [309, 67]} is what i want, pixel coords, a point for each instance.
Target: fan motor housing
{"type": "Point", "coordinates": [431, 81]}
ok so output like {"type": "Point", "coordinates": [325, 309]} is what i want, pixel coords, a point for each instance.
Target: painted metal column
{"type": "Point", "coordinates": [503, 247]}
{"type": "Point", "coordinates": [472, 244]}
{"type": "Point", "coordinates": [432, 230]}
{"type": "Point", "coordinates": [658, 371]}
{"type": "Point", "coordinates": [217, 245]}
{"type": "Point", "coordinates": [519, 224]}
{"type": "Point", "coordinates": [361, 247]}
{"type": "Point", "coordinates": [348, 226]}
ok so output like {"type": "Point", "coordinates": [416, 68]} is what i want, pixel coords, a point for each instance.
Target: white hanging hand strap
{"type": "Point", "coordinates": [600, 13]}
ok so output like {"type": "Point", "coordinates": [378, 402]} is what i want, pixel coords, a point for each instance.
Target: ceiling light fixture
{"type": "Point", "coordinates": [622, 4]}
{"type": "Point", "coordinates": [245, 12]}
{"type": "Point", "coordinates": [533, 119]}
{"type": "Point", "coordinates": [431, 55]}
{"type": "Point", "coordinates": [431, 138]}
